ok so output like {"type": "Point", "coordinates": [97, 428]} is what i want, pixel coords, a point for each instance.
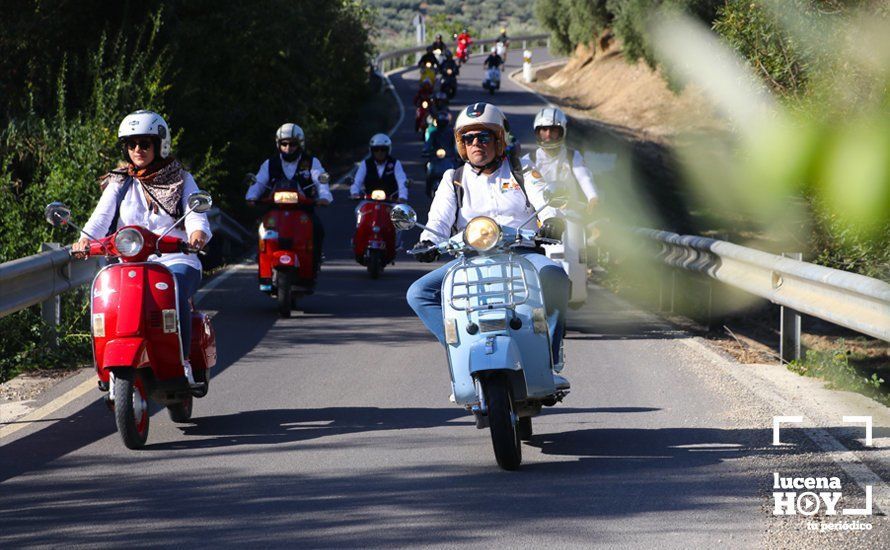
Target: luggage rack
{"type": "Point", "coordinates": [515, 286]}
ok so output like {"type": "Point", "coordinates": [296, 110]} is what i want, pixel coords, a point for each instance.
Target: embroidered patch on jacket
{"type": "Point", "coordinates": [508, 185]}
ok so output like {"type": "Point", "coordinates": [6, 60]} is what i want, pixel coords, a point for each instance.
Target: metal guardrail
{"type": "Point", "coordinates": [395, 59]}
{"type": "Point", "coordinates": [853, 301]}
{"type": "Point", "coordinates": [42, 277]}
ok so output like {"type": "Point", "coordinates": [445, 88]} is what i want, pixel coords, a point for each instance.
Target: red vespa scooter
{"type": "Point", "coordinates": [286, 256]}
{"type": "Point", "coordinates": [374, 242]}
{"type": "Point", "coordinates": [135, 326]}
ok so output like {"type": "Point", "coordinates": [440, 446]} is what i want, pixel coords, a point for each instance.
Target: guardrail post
{"type": "Point", "coordinates": [789, 326]}
{"type": "Point", "coordinates": [51, 310]}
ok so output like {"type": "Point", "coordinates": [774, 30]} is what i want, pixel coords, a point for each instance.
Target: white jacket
{"type": "Point", "coordinates": [557, 172]}
{"type": "Point", "coordinates": [496, 195]}
{"type": "Point", "coordinates": [261, 186]}
{"type": "Point", "coordinates": [134, 211]}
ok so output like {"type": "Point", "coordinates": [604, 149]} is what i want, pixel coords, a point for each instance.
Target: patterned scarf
{"type": "Point", "coordinates": [163, 180]}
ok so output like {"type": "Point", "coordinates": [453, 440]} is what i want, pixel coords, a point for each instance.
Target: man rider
{"type": "Point", "coordinates": [449, 63]}
{"type": "Point", "coordinates": [493, 61]}
{"type": "Point", "coordinates": [430, 57]}
{"type": "Point", "coordinates": [486, 186]}
{"type": "Point", "coordinates": [293, 168]}
{"type": "Point", "coordinates": [380, 171]}
{"type": "Point", "coordinates": [439, 44]}
{"type": "Point", "coordinates": [561, 167]}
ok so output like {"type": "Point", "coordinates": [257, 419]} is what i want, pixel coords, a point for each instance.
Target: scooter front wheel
{"type": "Point", "coordinates": [502, 422]}
{"type": "Point", "coordinates": [284, 294]}
{"type": "Point", "coordinates": [131, 409]}
{"type": "Point", "coordinates": [375, 264]}
{"type": "Point", "coordinates": [182, 411]}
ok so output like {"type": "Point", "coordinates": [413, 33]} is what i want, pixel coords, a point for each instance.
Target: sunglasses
{"type": "Point", "coordinates": [288, 143]}
{"type": "Point", "coordinates": [483, 137]}
{"type": "Point", "coordinates": [380, 149]}
{"type": "Point", "coordinates": [144, 144]}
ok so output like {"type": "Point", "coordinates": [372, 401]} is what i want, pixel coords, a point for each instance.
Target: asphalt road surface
{"type": "Point", "coordinates": [333, 428]}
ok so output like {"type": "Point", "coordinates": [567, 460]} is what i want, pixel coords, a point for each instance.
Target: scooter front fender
{"type": "Point", "coordinates": [124, 352]}
{"type": "Point", "coordinates": [494, 353]}
{"type": "Point", "coordinates": [285, 259]}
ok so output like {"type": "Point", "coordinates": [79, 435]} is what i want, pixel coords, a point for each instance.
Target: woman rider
{"type": "Point", "coordinates": [152, 191]}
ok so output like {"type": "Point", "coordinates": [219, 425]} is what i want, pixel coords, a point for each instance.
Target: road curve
{"type": "Point", "coordinates": [333, 428]}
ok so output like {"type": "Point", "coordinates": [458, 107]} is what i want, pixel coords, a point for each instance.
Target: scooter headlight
{"type": "Point", "coordinates": [128, 242]}
{"type": "Point", "coordinates": [378, 195]}
{"type": "Point", "coordinates": [287, 197]}
{"type": "Point", "coordinates": [425, 104]}
{"type": "Point", "coordinates": [440, 153]}
{"type": "Point", "coordinates": [482, 233]}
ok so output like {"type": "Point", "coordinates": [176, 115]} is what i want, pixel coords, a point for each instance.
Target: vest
{"type": "Point", "coordinates": [302, 177]}
{"type": "Point", "coordinates": [387, 182]}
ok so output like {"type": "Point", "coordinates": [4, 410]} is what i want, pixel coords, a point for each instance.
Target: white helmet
{"type": "Point", "coordinates": [481, 115]}
{"type": "Point", "coordinates": [289, 130]}
{"type": "Point", "coordinates": [146, 123]}
{"type": "Point", "coordinates": [551, 116]}
{"type": "Point", "coordinates": [380, 140]}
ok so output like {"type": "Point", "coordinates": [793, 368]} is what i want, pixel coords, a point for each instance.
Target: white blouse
{"type": "Point", "coordinates": [134, 211]}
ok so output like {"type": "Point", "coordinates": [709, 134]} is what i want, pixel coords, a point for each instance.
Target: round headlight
{"type": "Point", "coordinates": [482, 233]}
{"type": "Point", "coordinates": [440, 153]}
{"type": "Point", "coordinates": [128, 242]}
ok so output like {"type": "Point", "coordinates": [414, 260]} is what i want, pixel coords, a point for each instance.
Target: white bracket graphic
{"type": "Point", "coordinates": [860, 420]}
{"type": "Point", "coordinates": [778, 420]}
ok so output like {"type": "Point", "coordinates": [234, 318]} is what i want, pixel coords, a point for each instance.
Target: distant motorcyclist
{"type": "Point", "coordinates": [439, 44]}
{"type": "Point", "coordinates": [449, 63]}
{"type": "Point", "coordinates": [294, 169]}
{"type": "Point", "coordinates": [380, 171]}
{"type": "Point", "coordinates": [429, 57]}
{"type": "Point", "coordinates": [502, 44]}
{"type": "Point", "coordinates": [464, 40]}
{"type": "Point", "coordinates": [560, 166]}
{"type": "Point", "coordinates": [493, 61]}
{"type": "Point", "coordinates": [439, 136]}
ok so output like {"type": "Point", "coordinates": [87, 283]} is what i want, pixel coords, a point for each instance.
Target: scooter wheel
{"type": "Point", "coordinates": [284, 294]}
{"type": "Point", "coordinates": [182, 411]}
{"type": "Point", "coordinates": [131, 412]}
{"type": "Point", "coordinates": [502, 423]}
{"type": "Point", "coordinates": [375, 264]}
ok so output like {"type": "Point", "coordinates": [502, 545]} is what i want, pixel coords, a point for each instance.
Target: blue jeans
{"type": "Point", "coordinates": [425, 296]}
{"type": "Point", "coordinates": [187, 281]}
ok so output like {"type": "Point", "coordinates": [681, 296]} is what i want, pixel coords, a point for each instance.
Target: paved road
{"type": "Point", "coordinates": [333, 428]}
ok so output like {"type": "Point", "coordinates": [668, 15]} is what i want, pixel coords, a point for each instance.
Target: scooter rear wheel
{"type": "Point", "coordinates": [182, 411]}
{"type": "Point", "coordinates": [502, 422]}
{"type": "Point", "coordinates": [131, 412]}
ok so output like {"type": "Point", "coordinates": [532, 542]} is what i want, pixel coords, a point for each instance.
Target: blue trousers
{"type": "Point", "coordinates": [425, 296]}
{"type": "Point", "coordinates": [187, 281]}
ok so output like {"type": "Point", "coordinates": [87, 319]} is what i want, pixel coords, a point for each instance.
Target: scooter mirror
{"type": "Point", "coordinates": [556, 199]}
{"type": "Point", "coordinates": [403, 217]}
{"type": "Point", "coordinates": [57, 214]}
{"type": "Point", "coordinates": [200, 202]}
{"type": "Point", "coordinates": [324, 178]}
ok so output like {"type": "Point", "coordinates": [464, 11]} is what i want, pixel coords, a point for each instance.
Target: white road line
{"type": "Point", "coordinates": [48, 409]}
{"type": "Point", "coordinates": [846, 459]}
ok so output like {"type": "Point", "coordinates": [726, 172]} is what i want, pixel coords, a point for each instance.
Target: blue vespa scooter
{"type": "Point", "coordinates": [497, 331]}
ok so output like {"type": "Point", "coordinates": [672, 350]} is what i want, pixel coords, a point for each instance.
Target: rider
{"type": "Point", "coordinates": [439, 44]}
{"type": "Point", "coordinates": [503, 39]}
{"type": "Point", "coordinates": [493, 61]}
{"type": "Point", "coordinates": [486, 186]}
{"type": "Point", "coordinates": [293, 168]}
{"type": "Point", "coordinates": [152, 191]}
{"type": "Point", "coordinates": [380, 171]}
{"type": "Point", "coordinates": [439, 136]}
{"type": "Point", "coordinates": [430, 57]}
{"type": "Point", "coordinates": [449, 63]}
{"type": "Point", "coordinates": [463, 43]}
{"type": "Point", "coordinates": [560, 166]}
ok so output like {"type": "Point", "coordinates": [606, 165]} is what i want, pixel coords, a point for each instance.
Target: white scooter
{"type": "Point", "coordinates": [497, 332]}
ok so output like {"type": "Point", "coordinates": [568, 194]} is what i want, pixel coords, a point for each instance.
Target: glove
{"type": "Point", "coordinates": [553, 228]}
{"type": "Point", "coordinates": [427, 256]}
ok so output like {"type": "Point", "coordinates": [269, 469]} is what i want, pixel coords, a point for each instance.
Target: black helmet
{"type": "Point", "coordinates": [429, 49]}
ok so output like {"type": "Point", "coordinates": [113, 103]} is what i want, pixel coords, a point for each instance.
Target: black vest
{"type": "Point", "coordinates": [302, 177]}
{"type": "Point", "coordinates": [387, 182]}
